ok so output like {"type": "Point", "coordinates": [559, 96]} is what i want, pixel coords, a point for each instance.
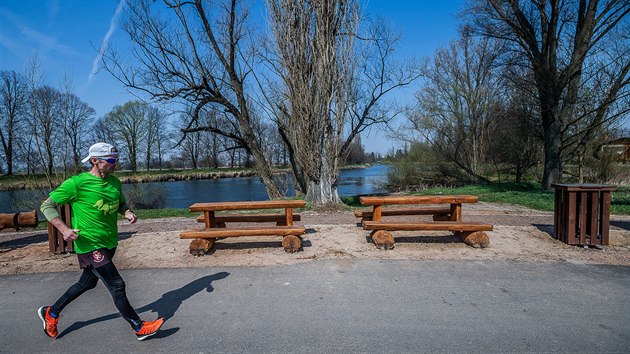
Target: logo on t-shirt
{"type": "Point", "coordinates": [97, 256]}
{"type": "Point", "coordinates": [106, 208]}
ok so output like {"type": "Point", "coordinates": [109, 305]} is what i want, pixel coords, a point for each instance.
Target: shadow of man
{"type": "Point", "coordinates": [169, 303]}
{"type": "Point", "coordinates": [165, 307]}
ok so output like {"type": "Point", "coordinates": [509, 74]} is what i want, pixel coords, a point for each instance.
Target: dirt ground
{"type": "Point", "coordinates": [520, 234]}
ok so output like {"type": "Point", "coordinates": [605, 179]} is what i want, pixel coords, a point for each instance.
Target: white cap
{"type": "Point", "coordinates": [100, 150]}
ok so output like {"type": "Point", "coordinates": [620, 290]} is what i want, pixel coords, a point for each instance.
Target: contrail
{"type": "Point", "coordinates": [112, 26]}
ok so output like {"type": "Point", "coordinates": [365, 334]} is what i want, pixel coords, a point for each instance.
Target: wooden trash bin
{"type": "Point", "coordinates": [56, 242]}
{"type": "Point", "coordinates": [582, 213]}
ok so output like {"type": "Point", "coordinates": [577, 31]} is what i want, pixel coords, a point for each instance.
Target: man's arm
{"type": "Point", "coordinates": [49, 209]}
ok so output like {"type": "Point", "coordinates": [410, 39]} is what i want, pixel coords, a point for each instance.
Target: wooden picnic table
{"type": "Point", "coordinates": [455, 204]}
{"type": "Point", "coordinates": [209, 209]}
{"type": "Point", "coordinates": [446, 218]}
{"type": "Point", "coordinates": [215, 225]}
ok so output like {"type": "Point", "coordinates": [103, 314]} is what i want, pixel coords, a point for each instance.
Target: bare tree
{"type": "Point", "coordinates": [47, 132]}
{"type": "Point", "coordinates": [516, 142]}
{"type": "Point", "coordinates": [14, 94]}
{"type": "Point", "coordinates": [101, 131]}
{"type": "Point", "coordinates": [565, 44]}
{"type": "Point", "coordinates": [190, 143]}
{"type": "Point", "coordinates": [129, 124]}
{"type": "Point", "coordinates": [211, 143]}
{"type": "Point", "coordinates": [156, 132]}
{"type": "Point", "coordinates": [330, 88]}
{"type": "Point", "coordinates": [455, 106]}
{"type": "Point", "coordinates": [192, 52]}
{"type": "Point", "coordinates": [78, 117]}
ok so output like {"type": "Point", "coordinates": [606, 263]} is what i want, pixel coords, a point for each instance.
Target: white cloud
{"type": "Point", "coordinates": [112, 27]}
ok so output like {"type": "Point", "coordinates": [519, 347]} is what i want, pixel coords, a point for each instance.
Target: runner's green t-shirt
{"type": "Point", "coordinates": [94, 204]}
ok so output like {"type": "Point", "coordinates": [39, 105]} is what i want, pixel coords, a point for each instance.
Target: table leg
{"type": "Point", "coordinates": [456, 212]}
{"type": "Point", "coordinates": [288, 214]}
{"type": "Point", "coordinates": [376, 213]}
{"type": "Point", "coordinates": [209, 219]}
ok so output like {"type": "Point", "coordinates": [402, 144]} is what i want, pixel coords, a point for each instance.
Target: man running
{"type": "Point", "coordinates": [96, 198]}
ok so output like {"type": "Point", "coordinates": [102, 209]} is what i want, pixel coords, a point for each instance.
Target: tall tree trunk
{"type": "Point", "coordinates": [323, 190]}
{"type": "Point", "coordinates": [10, 160]}
{"type": "Point", "coordinates": [552, 172]}
{"type": "Point", "coordinates": [264, 171]}
{"type": "Point", "coordinates": [298, 174]}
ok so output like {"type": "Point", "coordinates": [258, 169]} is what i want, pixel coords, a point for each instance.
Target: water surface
{"type": "Point", "coordinates": [181, 194]}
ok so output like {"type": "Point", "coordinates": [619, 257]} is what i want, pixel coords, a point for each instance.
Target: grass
{"type": "Point", "coordinates": [164, 213]}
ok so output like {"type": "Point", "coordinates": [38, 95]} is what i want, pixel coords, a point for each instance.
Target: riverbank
{"type": "Point", "coordinates": [23, 182]}
{"type": "Point", "coordinates": [37, 182]}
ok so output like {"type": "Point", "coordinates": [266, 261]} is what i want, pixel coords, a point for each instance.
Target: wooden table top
{"type": "Point", "coordinates": [262, 204]}
{"type": "Point", "coordinates": [419, 199]}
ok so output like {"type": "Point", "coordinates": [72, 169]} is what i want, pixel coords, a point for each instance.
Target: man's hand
{"type": "Point", "coordinates": [70, 234]}
{"type": "Point", "coordinates": [129, 215]}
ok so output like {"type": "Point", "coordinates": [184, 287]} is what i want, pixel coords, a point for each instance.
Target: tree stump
{"type": "Point", "coordinates": [17, 220]}
{"type": "Point", "coordinates": [200, 246]}
{"type": "Point", "coordinates": [478, 239]}
{"type": "Point", "coordinates": [291, 243]}
{"type": "Point", "coordinates": [382, 239]}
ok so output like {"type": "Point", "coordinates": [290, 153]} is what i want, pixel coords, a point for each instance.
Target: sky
{"type": "Point", "coordinates": [66, 36]}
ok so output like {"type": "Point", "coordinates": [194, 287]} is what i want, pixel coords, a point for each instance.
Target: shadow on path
{"type": "Point", "coordinates": [165, 307]}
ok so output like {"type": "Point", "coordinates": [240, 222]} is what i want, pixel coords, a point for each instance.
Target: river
{"type": "Point", "coordinates": [181, 194]}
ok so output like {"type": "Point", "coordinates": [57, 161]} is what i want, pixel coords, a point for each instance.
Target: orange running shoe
{"type": "Point", "coordinates": [50, 323]}
{"type": "Point", "coordinates": [148, 329]}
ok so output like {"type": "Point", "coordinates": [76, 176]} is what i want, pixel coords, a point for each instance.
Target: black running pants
{"type": "Point", "coordinates": [109, 275]}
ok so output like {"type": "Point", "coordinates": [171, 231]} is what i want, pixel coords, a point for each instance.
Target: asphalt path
{"type": "Point", "coordinates": [335, 306]}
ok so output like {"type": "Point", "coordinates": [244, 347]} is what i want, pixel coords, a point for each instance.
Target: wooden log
{"type": "Point", "coordinates": [200, 246]}
{"type": "Point", "coordinates": [17, 220]}
{"type": "Point", "coordinates": [429, 226]}
{"type": "Point", "coordinates": [477, 239]}
{"type": "Point", "coordinates": [382, 239]}
{"type": "Point", "coordinates": [291, 243]}
{"type": "Point", "coordinates": [244, 231]}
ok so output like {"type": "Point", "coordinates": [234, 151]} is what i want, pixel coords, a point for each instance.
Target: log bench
{"type": "Point", "coordinates": [244, 231]}
{"type": "Point", "coordinates": [471, 233]}
{"type": "Point", "coordinates": [216, 225]}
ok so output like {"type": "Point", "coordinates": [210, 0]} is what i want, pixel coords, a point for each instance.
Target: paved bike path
{"type": "Point", "coordinates": [336, 306]}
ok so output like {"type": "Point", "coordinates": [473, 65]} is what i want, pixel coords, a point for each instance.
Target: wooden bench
{"type": "Point", "coordinates": [215, 225]}
{"type": "Point", "coordinates": [471, 233]}
{"type": "Point", "coordinates": [244, 231]}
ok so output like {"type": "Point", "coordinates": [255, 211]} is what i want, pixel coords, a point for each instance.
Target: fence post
{"type": "Point", "coordinates": [56, 243]}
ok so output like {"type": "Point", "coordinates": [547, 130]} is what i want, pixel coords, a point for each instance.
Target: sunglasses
{"type": "Point", "coordinates": [109, 160]}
